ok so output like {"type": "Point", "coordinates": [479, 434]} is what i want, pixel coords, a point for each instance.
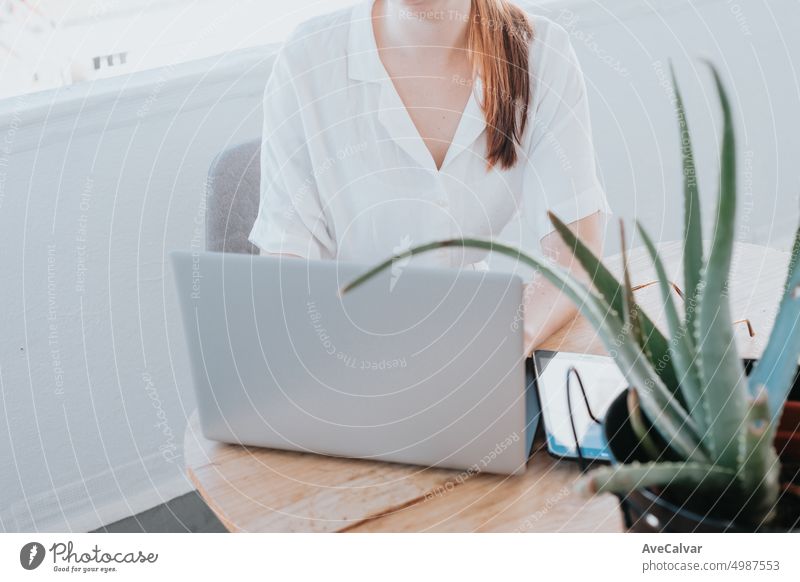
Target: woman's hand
{"type": "Point", "coordinates": [546, 309]}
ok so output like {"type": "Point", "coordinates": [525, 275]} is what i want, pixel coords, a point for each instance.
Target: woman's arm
{"type": "Point", "coordinates": [546, 309]}
{"type": "Point", "coordinates": [290, 218]}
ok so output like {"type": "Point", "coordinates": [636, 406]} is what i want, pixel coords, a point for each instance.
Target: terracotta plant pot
{"type": "Point", "coordinates": [679, 510]}
{"type": "Point", "coordinates": [790, 418]}
{"type": "Point", "coordinates": [787, 439]}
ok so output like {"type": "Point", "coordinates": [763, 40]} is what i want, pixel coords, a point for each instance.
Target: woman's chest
{"type": "Point", "coordinates": [435, 103]}
{"type": "Point", "coordinates": [377, 202]}
{"type": "Point", "coordinates": [379, 190]}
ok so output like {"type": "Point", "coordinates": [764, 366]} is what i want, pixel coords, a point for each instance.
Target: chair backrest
{"type": "Point", "coordinates": [232, 196]}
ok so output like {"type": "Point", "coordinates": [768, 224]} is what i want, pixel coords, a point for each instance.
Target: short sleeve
{"type": "Point", "coordinates": [290, 215]}
{"type": "Point", "coordinates": [560, 170]}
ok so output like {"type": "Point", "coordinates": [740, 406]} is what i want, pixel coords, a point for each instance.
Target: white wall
{"type": "Point", "coordinates": [756, 46]}
{"type": "Point", "coordinates": [98, 182]}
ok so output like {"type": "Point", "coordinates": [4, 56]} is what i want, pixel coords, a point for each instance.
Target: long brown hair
{"type": "Point", "coordinates": [499, 38]}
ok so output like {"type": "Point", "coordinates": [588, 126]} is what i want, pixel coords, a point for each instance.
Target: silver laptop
{"type": "Point", "coordinates": [419, 365]}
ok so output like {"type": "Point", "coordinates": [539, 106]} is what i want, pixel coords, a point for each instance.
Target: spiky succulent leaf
{"type": "Point", "coordinates": [682, 357]}
{"type": "Point", "coordinates": [794, 259]}
{"type": "Point", "coordinates": [602, 279]}
{"type": "Point", "coordinates": [725, 392]}
{"type": "Point", "coordinates": [622, 479]}
{"type": "Point", "coordinates": [640, 429]}
{"type": "Point", "coordinates": [777, 367]}
{"type": "Point", "coordinates": [631, 311]}
{"type": "Point", "coordinates": [656, 345]}
{"type": "Point", "coordinates": [665, 412]}
{"type": "Point", "coordinates": [760, 469]}
{"type": "Point", "coordinates": [692, 224]}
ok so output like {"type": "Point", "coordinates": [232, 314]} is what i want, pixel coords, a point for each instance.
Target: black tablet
{"type": "Point", "coordinates": [602, 381]}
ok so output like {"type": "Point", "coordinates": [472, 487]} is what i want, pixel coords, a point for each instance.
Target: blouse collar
{"type": "Point", "coordinates": [364, 64]}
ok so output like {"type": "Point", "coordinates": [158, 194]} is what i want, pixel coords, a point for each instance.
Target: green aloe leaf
{"type": "Point", "coordinates": [665, 412]}
{"type": "Point", "coordinates": [656, 345]}
{"type": "Point", "coordinates": [760, 469]}
{"type": "Point", "coordinates": [667, 415]}
{"type": "Point", "coordinates": [631, 310]}
{"type": "Point", "coordinates": [794, 259]}
{"type": "Point", "coordinates": [777, 367]}
{"type": "Point", "coordinates": [681, 354]}
{"type": "Point", "coordinates": [640, 429]}
{"type": "Point", "coordinates": [725, 391]}
{"type": "Point", "coordinates": [692, 224]}
{"type": "Point", "coordinates": [623, 479]}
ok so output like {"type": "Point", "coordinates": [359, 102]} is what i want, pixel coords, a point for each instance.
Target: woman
{"type": "Point", "coordinates": [400, 122]}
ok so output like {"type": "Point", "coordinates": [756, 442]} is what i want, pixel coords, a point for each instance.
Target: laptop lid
{"type": "Point", "coordinates": [419, 365]}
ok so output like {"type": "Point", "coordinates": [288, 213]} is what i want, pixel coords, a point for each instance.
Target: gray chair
{"type": "Point", "coordinates": [232, 196]}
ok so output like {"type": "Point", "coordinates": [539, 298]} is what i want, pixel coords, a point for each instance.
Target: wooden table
{"type": "Point", "coordinates": [253, 489]}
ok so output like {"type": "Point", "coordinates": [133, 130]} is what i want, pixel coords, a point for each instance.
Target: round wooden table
{"type": "Point", "coordinates": [254, 489]}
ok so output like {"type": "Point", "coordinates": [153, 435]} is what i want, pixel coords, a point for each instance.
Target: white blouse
{"type": "Point", "coordinates": [345, 174]}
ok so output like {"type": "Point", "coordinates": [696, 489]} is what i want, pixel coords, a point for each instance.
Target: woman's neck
{"type": "Point", "coordinates": [417, 24]}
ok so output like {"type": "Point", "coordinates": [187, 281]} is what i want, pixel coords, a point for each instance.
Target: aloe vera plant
{"type": "Point", "coordinates": [689, 390]}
